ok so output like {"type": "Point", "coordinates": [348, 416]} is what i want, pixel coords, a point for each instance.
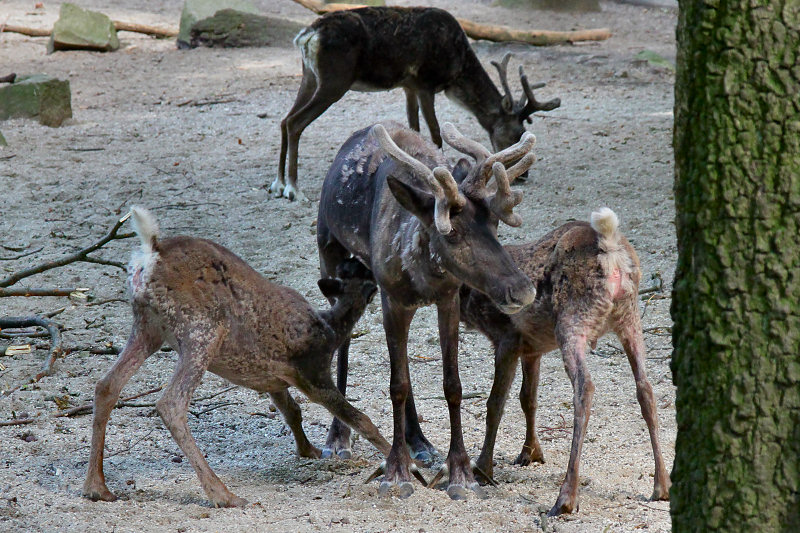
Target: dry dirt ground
{"type": "Point", "coordinates": [180, 132]}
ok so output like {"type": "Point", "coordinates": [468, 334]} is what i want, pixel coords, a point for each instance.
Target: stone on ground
{"type": "Point", "coordinates": [195, 10]}
{"type": "Point", "coordinates": [37, 95]}
{"type": "Point", "coordinates": [79, 29]}
{"type": "Point", "coordinates": [235, 29]}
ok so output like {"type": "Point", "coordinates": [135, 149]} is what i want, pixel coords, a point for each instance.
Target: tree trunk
{"type": "Point", "coordinates": [736, 298]}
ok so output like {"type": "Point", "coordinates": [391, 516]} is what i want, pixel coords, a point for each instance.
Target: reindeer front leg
{"type": "Point", "coordinates": [396, 322]}
{"type": "Point", "coordinates": [457, 463]}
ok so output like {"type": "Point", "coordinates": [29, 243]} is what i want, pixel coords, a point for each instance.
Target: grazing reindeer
{"type": "Point", "coordinates": [587, 281]}
{"type": "Point", "coordinates": [423, 50]}
{"type": "Point", "coordinates": [401, 212]}
{"type": "Point", "coordinates": [221, 315]}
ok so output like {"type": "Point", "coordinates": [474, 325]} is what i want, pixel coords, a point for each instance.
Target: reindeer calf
{"type": "Point", "coordinates": [587, 280]}
{"type": "Point", "coordinates": [221, 315]}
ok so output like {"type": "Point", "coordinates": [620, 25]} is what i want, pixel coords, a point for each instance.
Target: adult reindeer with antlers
{"type": "Point", "coordinates": [423, 228]}
{"type": "Point", "coordinates": [424, 51]}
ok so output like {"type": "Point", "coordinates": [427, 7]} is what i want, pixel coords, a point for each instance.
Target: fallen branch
{"type": "Point", "coordinates": [28, 291]}
{"type": "Point", "coordinates": [490, 32]}
{"type": "Point", "coordinates": [118, 24]}
{"type": "Point", "coordinates": [55, 342]}
{"type": "Point", "coordinates": [79, 256]}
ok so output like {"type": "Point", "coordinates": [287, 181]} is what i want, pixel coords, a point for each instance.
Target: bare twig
{"type": "Point", "coordinates": [80, 255]}
{"type": "Point", "coordinates": [20, 256]}
{"type": "Point", "coordinates": [213, 407]}
{"type": "Point", "coordinates": [88, 407]}
{"type": "Point", "coordinates": [106, 301]}
{"type": "Point", "coordinates": [17, 421]}
{"type": "Point", "coordinates": [55, 346]}
{"type": "Point", "coordinates": [131, 445]}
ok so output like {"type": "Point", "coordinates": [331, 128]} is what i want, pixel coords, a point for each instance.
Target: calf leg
{"type": "Point", "coordinates": [294, 419]}
{"type": "Point", "coordinates": [320, 389]}
{"type": "Point", "coordinates": [173, 405]}
{"type": "Point", "coordinates": [529, 399]}
{"type": "Point", "coordinates": [143, 341]}
{"type": "Point", "coordinates": [573, 349]}
{"type": "Point", "coordinates": [505, 365]}
{"type": "Point", "coordinates": [630, 334]}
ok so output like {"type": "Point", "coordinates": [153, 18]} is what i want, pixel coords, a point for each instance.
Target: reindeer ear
{"type": "Point", "coordinates": [461, 170]}
{"type": "Point", "coordinates": [508, 104]}
{"type": "Point", "coordinates": [330, 287]}
{"type": "Point", "coordinates": [416, 201]}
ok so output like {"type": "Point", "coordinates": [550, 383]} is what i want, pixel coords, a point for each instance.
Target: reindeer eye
{"type": "Point", "coordinates": [453, 237]}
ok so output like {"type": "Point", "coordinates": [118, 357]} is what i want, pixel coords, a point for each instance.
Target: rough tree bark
{"type": "Point", "coordinates": [736, 300]}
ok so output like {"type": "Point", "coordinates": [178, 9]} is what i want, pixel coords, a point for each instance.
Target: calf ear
{"type": "Point", "coordinates": [416, 201]}
{"type": "Point", "coordinates": [330, 287]}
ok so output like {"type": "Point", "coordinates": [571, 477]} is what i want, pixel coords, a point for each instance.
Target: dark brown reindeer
{"type": "Point", "coordinates": [221, 315]}
{"type": "Point", "coordinates": [587, 280]}
{"type": "Point", "coordinates": [391, 201]}
{"type": "Point", "coordinates": [423, 50]}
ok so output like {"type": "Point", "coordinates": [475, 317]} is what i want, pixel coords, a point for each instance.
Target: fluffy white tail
{"type": "Point", "coordinates": [605, 222]}
{"type": "Point", "coordinates": [145, 225]}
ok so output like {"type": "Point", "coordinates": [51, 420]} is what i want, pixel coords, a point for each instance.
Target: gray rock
{"type": "Point", "coordinates": [37, 95]}
{"type": "Point", "coordinates": [195, 10]}
{"type": "Point", "coordinates": [79, 29]}
{"type": "Point", "coordinates": [234, 29]}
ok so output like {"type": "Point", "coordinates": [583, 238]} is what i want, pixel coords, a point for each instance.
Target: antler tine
{"type": "Point", "coordinates": [532, 104]}
{"type": "Point", "coordinates": [449, 187]}
{"type": "Point", "coordinates": [457, 140]}
{"type": "Point", "coordinates": [504, 200]}
{"type": "Point", "coordinates": [382, 136]}
{"type": "Point", "coordinates": [502, 70]}
{"type": "Point", "coordinates": [520, 167]}
{"type": "Point", "coordinates": [512, 153]}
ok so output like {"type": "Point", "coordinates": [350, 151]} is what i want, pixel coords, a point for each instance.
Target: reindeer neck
{"type": "Point", "coordinates": [476, 91]}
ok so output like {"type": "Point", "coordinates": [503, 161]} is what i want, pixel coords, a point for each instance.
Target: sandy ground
{"type": "Point", "coordinates": [180, 133]}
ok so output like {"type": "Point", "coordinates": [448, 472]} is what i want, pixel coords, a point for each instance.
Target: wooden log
{"type": "Point", "coordinates": [490, 32]}
{"type": "Point", "coordinates": [118, 24]}
{"type": "Point", "coordinates": [146, 29]}
{"type": "Point", "coordinates": [30, 32]}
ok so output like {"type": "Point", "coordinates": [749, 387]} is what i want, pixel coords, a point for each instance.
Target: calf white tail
{"type": "Point", "coordinates": [146, 227]}
{"type": "Point", "coordinates": [605, 222]}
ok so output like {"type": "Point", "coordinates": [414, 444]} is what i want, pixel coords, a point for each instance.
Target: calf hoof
{"type": "Point", "coordinates": [529, 456]}
{"type": "Point", "coordinates": [101, 494]}
{"type": "Point", "coordinates": [660, 494]}
{"type": "Point", "coordinates": [563, 506]}
{"type": "Point", "coordinates": [230, 501]}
